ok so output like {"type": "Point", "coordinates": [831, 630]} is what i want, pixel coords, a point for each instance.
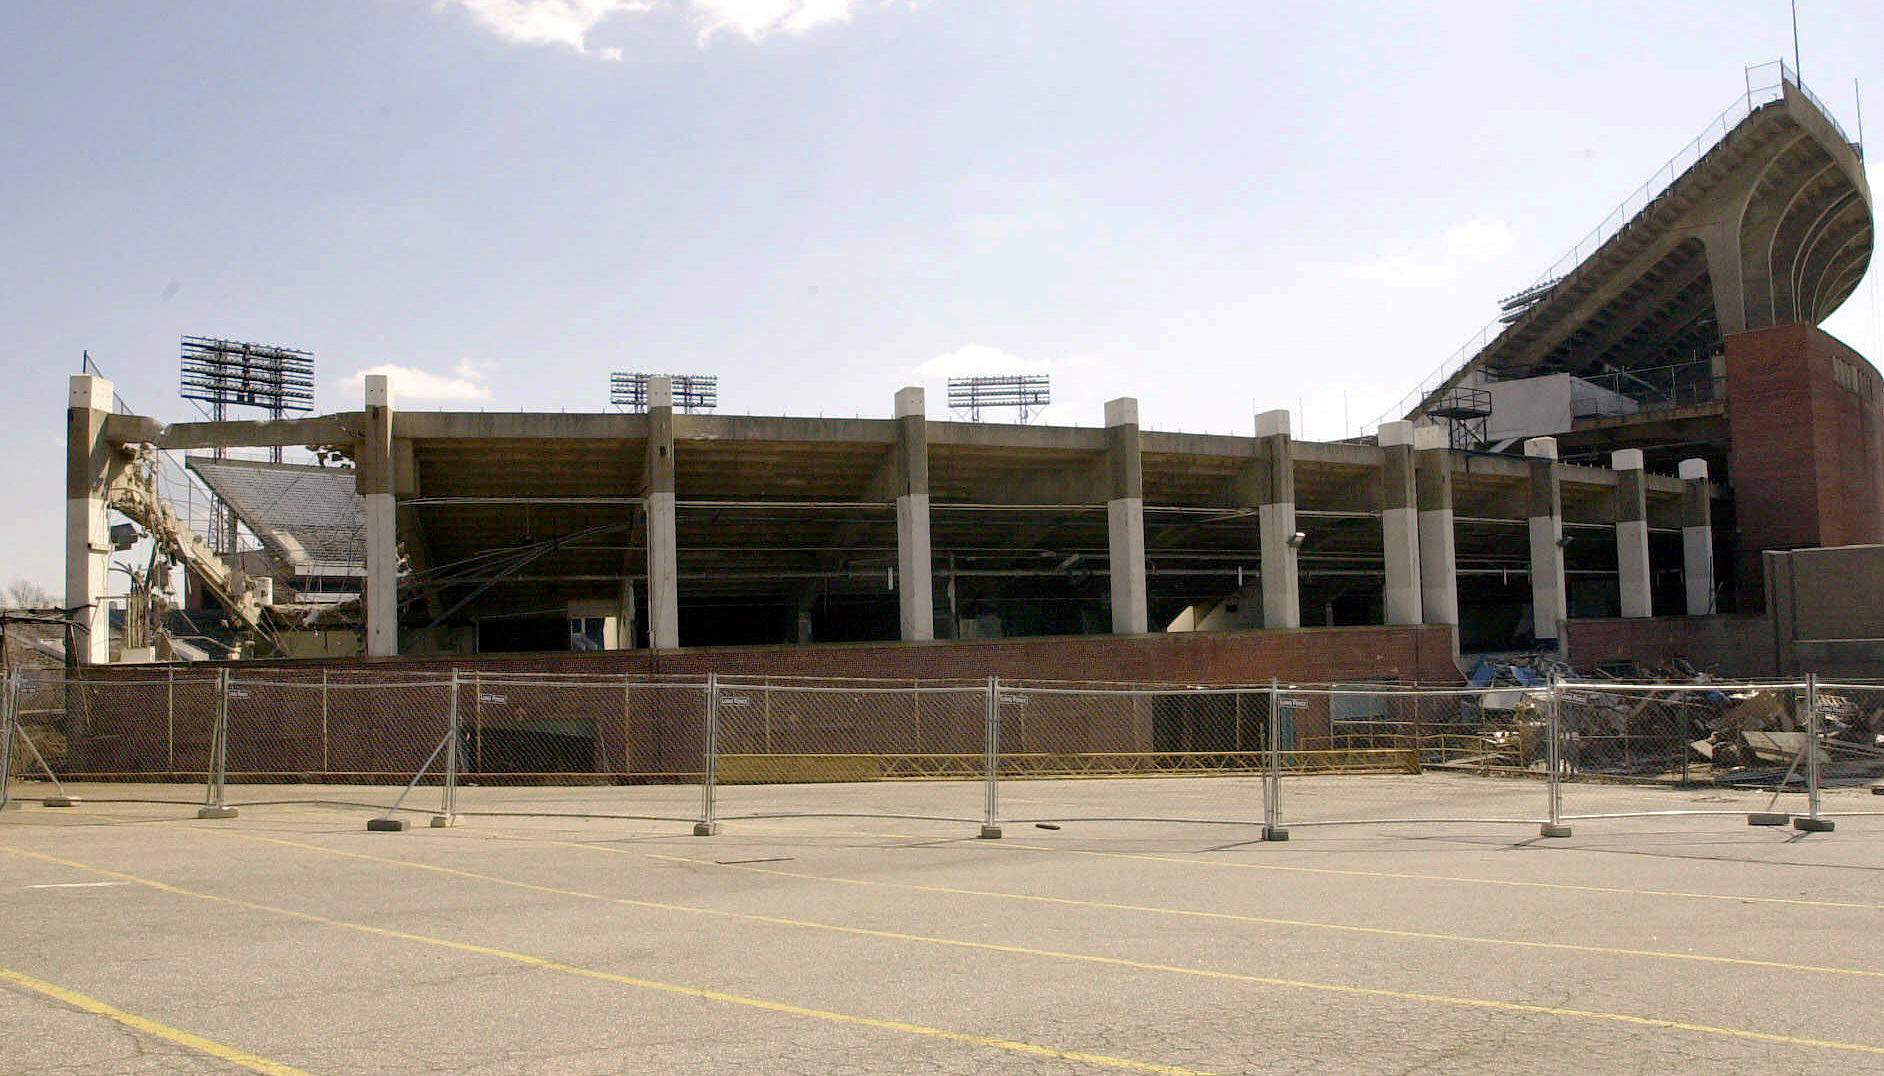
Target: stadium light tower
{"type": "Point", "coordinates": [1024, 393]}
{"type": "Point", "coordinates": [235, 373]}
{"type": "Point", "coordinates": [692, 392]}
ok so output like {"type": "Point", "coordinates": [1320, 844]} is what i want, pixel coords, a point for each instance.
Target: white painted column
{"type": "Point", "coordinates": [1548, 588]}
{"type": "Point", "coordinates": [1439, 561]}
{"type": "Point", "coordinates": [915, 587]}
{"type": "Point", "coordinates": [375, 479]}
{"type": "Point", "coordinates": [663, 553]}
{"type": "Point", "coordinates": [1125, 520]}
{"type": "Point", "coordinates": [87, 530]}
{"type": "Point", "coordinates": [1399, 524]}
{"type": "Point", "coordinates": [1697, 538]}
{"type": "Point", "coordinates": [1275, 521]}
{"type": "Point", "coordinates": [1632, 544]}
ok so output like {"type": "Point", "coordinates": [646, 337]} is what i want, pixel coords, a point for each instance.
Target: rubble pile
{"type": "Point", "coordinates": [1669, 723]}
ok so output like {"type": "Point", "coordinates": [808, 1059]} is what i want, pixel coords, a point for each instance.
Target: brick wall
{"type": "Point", "coordinates": [1807, 454]}
{"type": "Point", "coordinates": [1740, 646]}
{"type": "Point", "coordinates": [1421, 654]}
{"type": "Point", "coordinates": [365, 720]}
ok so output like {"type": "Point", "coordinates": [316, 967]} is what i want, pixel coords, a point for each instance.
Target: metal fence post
{"type": "Point", "coordinates": [9, 701]}
{"type": "Point", "coordinates": [327, 763]}
{"type": "Point", "coordinates": [1815, 760]}
{"type": "Point", "coordinates": [991, 760]}
{"type": "Point", "coordinates": [170, 720]}
{"type": "Point", "coordinates": [447, 815]}
{"type": "Point", "coordinates": [1272, 776]}
{"type": "Point", "coordinates": [1553, 756]}
{"type": "Point", "coordinates": [213, 805]}
{"type": "Point", "coordinates": [708, 824]}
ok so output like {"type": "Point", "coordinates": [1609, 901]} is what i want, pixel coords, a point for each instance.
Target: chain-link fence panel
{"type": "Point", "coordinates": [1666, 749]}
{"type": "Point", "coordinates": [1851, 739]}
{"type": "Point", "coordinates": [355, 738]}
{"type": "Point", "coordinates": [1359, 754]}
{"type": "Point", "coordinates": [595, 746]}
{"type": "Point", "coordinates": [1072, 752]}
{"type": "Point", "coordinates": [886, 749]}
{"type": "Point", "coordinates": [141, 738]}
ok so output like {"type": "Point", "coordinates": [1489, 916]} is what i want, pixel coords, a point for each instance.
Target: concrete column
{"type": "Point", "coordinates": [1439, 561]}
{"type": "Point", "coordinates": [1125, 520]}
{"type": "Point", "coordinates": [1275, 518]}
{"type": "Point", "coordinates": [658, 499]}
{"type": "Point", "coordinates": [915, 587]}
{"type": "Point", "coordinates": [375, 483]}
{"type": "Point", "coordinates": [87, 531]}
{"type": "Point", "coordinates": [625, 635]}
{"type": "Point", "coordinates": [1399, 523]}
{"type": "Point", "coordinates": [1632, 548]}
{"type": "Point", "coordinates": [1548, 590]}
{"type": "Point", "coordinates": [1697, 538]}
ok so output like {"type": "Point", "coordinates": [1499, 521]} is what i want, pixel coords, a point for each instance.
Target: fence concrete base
{"type": "Point", "coordinates": [217, 812]}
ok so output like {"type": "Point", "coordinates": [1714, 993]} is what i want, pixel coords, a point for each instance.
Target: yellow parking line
{"type": "Point", "coordinates": [152, 1027]}
{"type": "Point", "coordinates": [1335, 988]}
{"type": "Point", "coordinates": [1235, 917]}
{"type": "Point", "coordinates": [1028, 1048]}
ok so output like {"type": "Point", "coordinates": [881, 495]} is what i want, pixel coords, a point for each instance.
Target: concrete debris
{"type": "Point", "coordinates": [1670, 723]}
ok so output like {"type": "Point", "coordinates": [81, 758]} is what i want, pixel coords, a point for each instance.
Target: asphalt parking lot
{"type": "Point", "coordinates": [138, 938]}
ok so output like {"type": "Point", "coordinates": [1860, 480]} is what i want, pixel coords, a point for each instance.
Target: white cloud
{"type": "Point", "coordinates": [569, 22]}
{"type": "Point", "coordinates": [1479, 240]}
{"type": "Point", "coordinates": [465, 382]}
{"type": "Point", "coordinates": [548, 22]}
{"type": "Point", "coordinates": [1472, 243]}
{"type": "Point", "coordinates": [759, 19]}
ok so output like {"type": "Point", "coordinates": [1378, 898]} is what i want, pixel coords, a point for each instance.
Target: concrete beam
{"type": "Point", "coordinates": [658, 496]}
{"type": "Point", "coordinates": [1439, 561]}
{"type": "Point", "coordinates": [1125, 519]}
{"type": "Point", "coordinates": [374, 480]}
{"type": "Point", "coordinates": [915, 593]}
{"type": "Point", "coordinates": [1399, 524]}
{"type": "Point", "coordinates": [340, 429]}
{"type": "Point", "coordinates": [87, 530]}
{"type": "Point", "coordinates": [1632, 545]}
{"type": "Point", "coordinates": [1697, 537]}
{"type": "Point", "coordinates": [1275, 510]}
{"type": "Point", "coordinates": [1548, 587]}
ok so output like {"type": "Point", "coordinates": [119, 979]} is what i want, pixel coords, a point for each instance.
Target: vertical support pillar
{"type": "Point", "coordinates": [625, 627]}
{"type": "Point", "coordinates": [1632, 546]}
{"type": "Point", "coordinates": [1697, 538]}
{"type": "Point", "coordinates": [1439, 560]}
{"type": "Point", "coordinates": [1814, 821]}
{"type": "Point", "coordinates": [915, 588]}
{"type": "Point", "coordinates": [663, 578]}
{"type": "Point", "coordinates": [375, 483]}
{"type": "Point", "coordinates": [1399, 524]}
{"type": "Point", "coordinates": [87, 533]}
{"type": "Point", "coordinates": [709, 823]}
{"type": "Point", "coordinates": [1548, 607]}
{"type": "Point", "coordinates": [1275, 460]}
{"type": "Point", "coordinates": [991, 762]}
{"type": "Point", "coordinates": [1125, 519]}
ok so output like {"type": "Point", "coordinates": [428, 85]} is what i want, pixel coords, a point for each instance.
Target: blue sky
{"type": "Point", "coordinates": [1218, 207]}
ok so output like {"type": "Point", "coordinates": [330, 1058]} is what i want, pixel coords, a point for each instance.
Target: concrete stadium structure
{"type": "Point", "coordinates": [1646, 425]}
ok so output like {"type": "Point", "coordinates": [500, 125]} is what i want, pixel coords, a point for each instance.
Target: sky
{"type": "Point", "coordinates": [1219, 207]}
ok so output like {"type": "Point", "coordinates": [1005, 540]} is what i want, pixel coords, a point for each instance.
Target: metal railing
{"type": "Point", "coordinates": [1765, 83]}
{"type": "Point", "coordinates": [988, 753]}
